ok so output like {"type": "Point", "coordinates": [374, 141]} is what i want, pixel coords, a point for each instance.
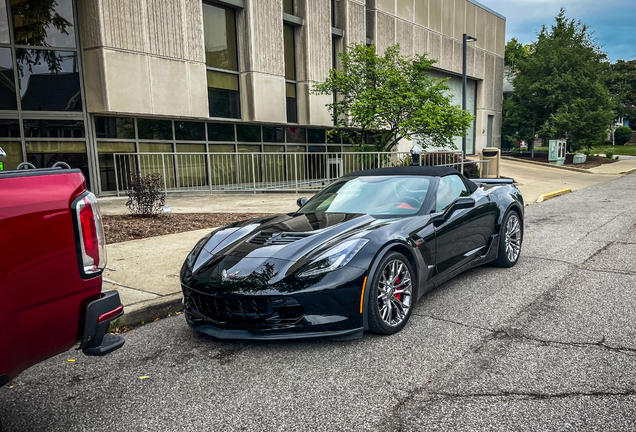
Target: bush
{"type": "Point", "coordinates": [146, 196]}
{"type": "Point", "coordinates": [608, 143]}
{"type": "Point", "coordinates": [586, 152]}
{"type": "Point", "coordinates": [609, 154]}
{"type": "Point", "coordinates": [622, 135]}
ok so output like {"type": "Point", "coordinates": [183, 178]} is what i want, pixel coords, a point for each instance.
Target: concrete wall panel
{"type": "Point", "coordinates": [498, 84]}
{"type": "Point", "coordinates": [471, 11]}
{"type": "Point", "coordinates": [435, 15]}
{"type": "Point", "coordinates": [481, 21]}
{"type": "Point", "coordinates": [263, 46]}
{"type": "Point", "coordinates": [448, 18]}
{"type": "Point", "coordinates": [500, 48]}
{"type": "Point", "coordinates": [421, 12]}
{"type": "Point", "coordinates": [387, 6]}
{"type": "Point", "coordinates": [460, 19]}
{"type": "Point", "coordinates": [435, 46]}
{"type": "Point", "coordinates": [491, 32]}
{"type": "Point", "coordinates": [420, 40]}
{"type": "Point", "coordinates": [406, 9]}
{"type": "Point", "coordinates": [405, 37]}
{"type": "Point", "coordinates": [356, 25]}
{"type": "Point", "coordinates": [263, 97]}
{"type": "Point", "coordinates": [386, 31]}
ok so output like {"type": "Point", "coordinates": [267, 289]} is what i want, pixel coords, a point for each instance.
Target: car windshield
{"type": "Point", "coordinates": [402, 195]}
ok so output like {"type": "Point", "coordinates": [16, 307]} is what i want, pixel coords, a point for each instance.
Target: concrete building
{"type": "Point", "coordinates": [82, 81]}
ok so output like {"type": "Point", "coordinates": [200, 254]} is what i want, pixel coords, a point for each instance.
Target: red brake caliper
{"type": "Point", "coordinates": [398, 296]}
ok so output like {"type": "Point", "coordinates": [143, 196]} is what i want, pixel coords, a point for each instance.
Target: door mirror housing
{"type": "Point", "coordinates": [459, 204]}
{"type": "Point", "coordinates": [301, 202]}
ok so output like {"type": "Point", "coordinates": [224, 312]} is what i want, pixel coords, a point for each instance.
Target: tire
{"type": "Point", "coordinates": [382, 293]}
{"type": "Point", "coordinates": [510, 240]}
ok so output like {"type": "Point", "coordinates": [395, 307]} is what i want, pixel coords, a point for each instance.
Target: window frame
{"type": "Point", "coordinates": [237, 72]}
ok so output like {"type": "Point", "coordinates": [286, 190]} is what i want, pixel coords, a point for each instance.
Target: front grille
{"type": "Point", "coordinates": [268, 238]}
{"type": "Point", "coordinates": [243, 309]}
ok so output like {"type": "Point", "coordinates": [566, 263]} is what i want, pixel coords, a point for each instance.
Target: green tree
{"type": "Point", "coordinates": [561, 88]}
{"type": "Point", "coordinates": [622, 135]}
{"type": "Point", "coordinates": [622, 86]}
{"type": "Point", "coordinates": [390, 97]}
{"type": "Point", "coordinates": [515, 53]}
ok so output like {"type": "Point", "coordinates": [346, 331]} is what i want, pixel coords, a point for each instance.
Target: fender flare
{"type": "Point", "coordinates": [374, 266]}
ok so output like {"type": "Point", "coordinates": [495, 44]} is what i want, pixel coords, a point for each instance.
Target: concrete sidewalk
{"type": "Point", "coordinates": [146, 272]}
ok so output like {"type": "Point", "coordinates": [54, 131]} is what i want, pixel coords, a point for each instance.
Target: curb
{"type": "Point", "coordinates": [148, 311]}
{"type": "Point", "coordinates": [553, 194]}
{"type": "Point", "coordinates": [627, 172]}
{"type": "Point", "coordinates": [581, 170]}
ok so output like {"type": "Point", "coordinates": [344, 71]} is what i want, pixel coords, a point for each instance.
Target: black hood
{"type": "Point", "coordinates": [263, 252]}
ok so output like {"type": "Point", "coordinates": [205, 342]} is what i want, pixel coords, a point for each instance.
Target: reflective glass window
{"type": "Point", "coordinates": [288, 6]}
{"type": "Point", "coordinates": [43, 23]}
{"type": "Point", "coordinates": [4, 23]}
{"type": "Point", "coordinates": [449, 189]}
{"type": "Point", "coordinates": [248, 133]}
{"type": "Point", "coordinates": [14, 154]}
{"type": "Point", "coordinates": [223, 95]}
{"type": "Point", "coordinates": [221, 132]}
{"type": "Point", "coordinates": [290, 56]}
{"type": "Point", "coordinates": [189, 131]}
{"type": "Point", "coordinates": [44, 154]}
{"type": "Point", "coordinates": [190, 148]}
{"type": "Point", "coordinates": [273, 134]}
{"type": "Point", "coordinates": [115, 127]}
{"type": "Point", "coordinates": [7, 80]}
{"type": "Point", "coordinates": [155, 148]}
{"type": "Point", "coordinates": [220, 37]}
{"type": "Point", "coordinates": [54, 129]}
{"type": "Point", "coordinates": [296, 135]}
{"type": "Point", "coordinates": [154, 129]}
{"type": "Point", "coordinates": [228, 148]}
{"type": "Point", "coordinates": [334, 136]}
{"type": "Point", "coordinates": [49, 80]}
{"type": "Point", "coordinates": [9, 128]}
{"type": "Point", "coordinates": [125, 164]}
{"type": "Point", "coordinates": [292, 104]}
{"type": "Point", "coordinates": [317, 136]}
{"type": "Point", "coordinates": [249, 148]}
{"type": "Point", "coordinates": [274, 149]}
{"type": "Point", "coordinates": [296, 149]}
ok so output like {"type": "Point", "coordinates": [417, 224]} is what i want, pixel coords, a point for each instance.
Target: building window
{"type": "Point", "coordinates": [43, 23]}
{"type": "Point", "coordinates": [288, 7]}
{"type": "Point", "coordinates": [221, 59]}
{"type": "Point", "coordinates": [49, 80]}
{"type": "Point", "coordinates": [290, 74]}
{"type": "Point", "coordinates": [4, 23]}
{"type": "Point", "coordinates": [7, 86]}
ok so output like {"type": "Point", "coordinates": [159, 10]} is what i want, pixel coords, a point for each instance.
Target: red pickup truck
{"type": "Point", "coordinates": [52, 255]}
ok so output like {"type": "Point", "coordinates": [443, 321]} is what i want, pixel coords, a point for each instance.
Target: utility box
{"type": "Point", "coordinates": [493, 156]}
{"type": "Point", "coordinates": [579, 158]}
{"type": "Point", "coordinates": [3, 157]}
{"type": "Point", "coordinates": [557, 151]}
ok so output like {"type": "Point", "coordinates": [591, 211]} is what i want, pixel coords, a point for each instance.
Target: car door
{"type": "Point", "coordinates": [463, 234]}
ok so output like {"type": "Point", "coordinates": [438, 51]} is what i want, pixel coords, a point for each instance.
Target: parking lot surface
{"type": "Point", "coordinates": [546, 345]}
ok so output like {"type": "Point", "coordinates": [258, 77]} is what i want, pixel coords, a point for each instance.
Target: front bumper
{"type": "Point", "coordinates": [329, 308]}
{"type": "Point", "coordinates": [99, 314]}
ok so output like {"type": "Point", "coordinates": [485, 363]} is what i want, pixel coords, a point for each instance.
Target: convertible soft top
{"type": "Point", "coordinates": [427, 171]}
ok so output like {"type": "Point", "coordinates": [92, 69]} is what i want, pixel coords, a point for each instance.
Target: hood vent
{"type": "Point", "coordinates": [269, 238]}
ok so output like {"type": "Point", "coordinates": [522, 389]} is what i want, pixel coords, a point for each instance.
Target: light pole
{"type": "Point", "coordinates": [464, 79]}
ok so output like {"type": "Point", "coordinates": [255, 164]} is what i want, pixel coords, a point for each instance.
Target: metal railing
{"type": "Point", "coordinates": [260, 172]}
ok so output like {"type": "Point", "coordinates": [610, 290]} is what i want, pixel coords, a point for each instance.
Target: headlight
{"type": "Point", "coordinates": [334, 258]}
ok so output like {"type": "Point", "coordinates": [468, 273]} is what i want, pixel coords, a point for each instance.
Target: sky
{"type": "Point", "coordinates": [612, 21]}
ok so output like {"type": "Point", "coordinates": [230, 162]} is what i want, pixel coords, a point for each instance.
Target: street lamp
{"type": "Point", "coordinates": [466, 40]}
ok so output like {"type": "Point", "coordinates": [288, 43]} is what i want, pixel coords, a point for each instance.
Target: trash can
{"type": "Point", "coordinates": [493, 156]}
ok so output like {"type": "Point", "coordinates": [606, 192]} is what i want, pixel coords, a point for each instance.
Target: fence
{"type": "Point", "coordinates": [261, 172]}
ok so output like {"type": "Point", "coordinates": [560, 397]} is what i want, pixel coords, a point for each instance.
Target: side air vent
{"type": "Point", "coordinates": [269, 239]}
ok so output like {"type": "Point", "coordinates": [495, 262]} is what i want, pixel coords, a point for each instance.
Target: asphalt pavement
{"type": "Point", "coordinates": [545, 346]}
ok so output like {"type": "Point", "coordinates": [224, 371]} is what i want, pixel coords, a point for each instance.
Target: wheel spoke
{"type": "Point", "coordinates": [395, 281]}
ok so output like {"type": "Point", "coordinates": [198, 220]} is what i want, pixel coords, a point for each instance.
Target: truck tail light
{"type": "Point", "coordinates": [90, 230]}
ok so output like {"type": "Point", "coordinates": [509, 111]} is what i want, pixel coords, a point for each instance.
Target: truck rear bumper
{"type": "Point", "coordinates": [99, 314]}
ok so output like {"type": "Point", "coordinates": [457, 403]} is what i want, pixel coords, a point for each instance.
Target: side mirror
{"type": "Point", "coordinates": [302, 201]}
{"type": "Point", "coordinates": [459, 204]}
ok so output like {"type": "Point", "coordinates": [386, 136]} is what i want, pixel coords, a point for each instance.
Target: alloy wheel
{"type": "Point", "coordinates": [513, 238]}
{"type": "Point", "coordinates": [394, 293]}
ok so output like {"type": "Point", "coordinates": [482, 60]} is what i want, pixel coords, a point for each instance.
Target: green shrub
{"type": "Point", "coordinates": [617, 157]}
{"type": "Point", "coordinates": [608, 143]}
{"type": "Point", "coordinates": [146, 196]}
{"type": "Point", "coordinates": [622, 135]}
{"type": "Point", "coordinates": [586, 152]}
{"type": "Point", "coordinates": [609, 154]}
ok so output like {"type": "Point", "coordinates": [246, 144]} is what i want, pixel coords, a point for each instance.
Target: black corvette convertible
{"type": "Point", "coordinates": [355, 257]}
